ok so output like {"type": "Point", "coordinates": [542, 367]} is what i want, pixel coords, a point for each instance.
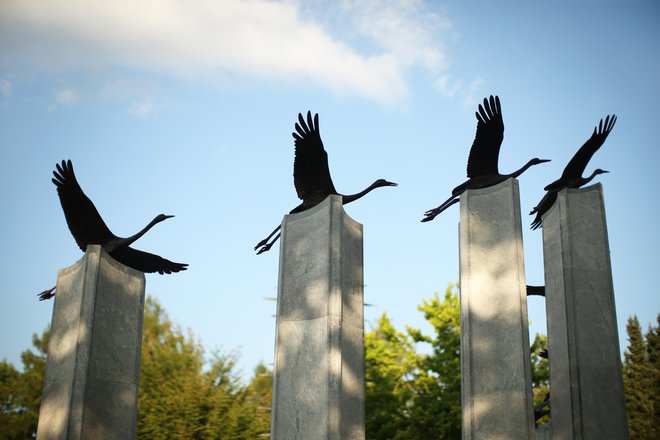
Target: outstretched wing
{"type": "Point", "coordinates": [85, 222]}
{"type": "Point", "coordinates": [485, 150]}
{"type": "Point", "coordinates": [146, 262]}
{"type": "Point", "coordinates": [311, 174]}
{"type": "Point", "coordinates": [579, 162]}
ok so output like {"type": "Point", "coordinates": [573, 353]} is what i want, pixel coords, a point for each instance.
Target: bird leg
{"type": "Point", "coordinates": [263, 242]}
{"type": "Point", "coordinates": [47, 294]}
{"type": "Point", "coordinates": [432, 213]}
{"type": "Point", "coordinates": [266, 247]}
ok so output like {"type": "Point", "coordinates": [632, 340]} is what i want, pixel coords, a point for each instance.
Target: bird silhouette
{"type": "Point", "coordinates": [482, 168]}
{"type": "Point", "coordinates": [572, 175]}
{"type": "Point", "coordinates": [311, 174]}
{"type": "Point", "coordinates": [87, 227]}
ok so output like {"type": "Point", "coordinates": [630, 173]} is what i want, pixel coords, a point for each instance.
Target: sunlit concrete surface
{"type": "Point", "coordinates": [318, 388]}
{"type": "Point", "coordinates": [586, 386]}
{"type": "Point", "coordinates": [496, 387]}
{"type": "Point", "coordinates": [93, 367]}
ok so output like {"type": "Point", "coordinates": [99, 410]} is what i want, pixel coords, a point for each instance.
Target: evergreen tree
{"type": "Point", "coordinates": [636, 381]}
{"type": "Point", "coordinates": [653, 350]}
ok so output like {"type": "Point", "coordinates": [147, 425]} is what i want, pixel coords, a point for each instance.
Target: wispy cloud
{"type": "Point", "coordinates": [447, 86]}
{"type": "Point", "coordinates": [66, 96]}
{"type": "Point", "coordinates": [256, 38]}
{"type": "Point", "coordinates": [141, 109]}
{"type": "Point", "coordinates": [6, 90]}
{"type": "Point", "coordinates": [471, 98]}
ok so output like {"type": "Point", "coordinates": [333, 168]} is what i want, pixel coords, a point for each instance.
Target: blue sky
{"type": "Point", "coordinates": [187, 108]}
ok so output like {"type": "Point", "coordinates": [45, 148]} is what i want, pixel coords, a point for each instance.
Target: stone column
{"type": "Point", "coordinates": [586, 397]}
{"type": "Point", "coordinates": [496, 386]}
{"type": "Point", "coordinates": [93, 367]}
{"type": "Point", "coordinates": [318, 384]}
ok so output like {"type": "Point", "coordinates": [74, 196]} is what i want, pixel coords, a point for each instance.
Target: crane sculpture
{"type": "Point", "coordinates": [482, 169]}
{"type": "Point", "coordinates": [87, 227]}
{"type": "Point", "coordinates": [311, 174]}
{"type": "Point", "coordinates": [572, 175]}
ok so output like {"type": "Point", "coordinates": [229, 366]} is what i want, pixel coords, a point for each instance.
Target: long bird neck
{"type": "Point", "coordinates": [353, 197]}
{"type": "Point", "coordinates": [589, 179]}
{"type": "Point", "coordinates": [522, 169]}
{"type": "Point", "coordinates": [129, 240]}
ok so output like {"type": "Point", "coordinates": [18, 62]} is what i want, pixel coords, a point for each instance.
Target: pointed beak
{"type": "Point", "coordinates": [544, 160]}
{"type": "Point", "coordinates": [605, 171]}
{"type": "Point", "coordinates": [168, 216]}
{"type": "Point", "coordinates": [392, 184]}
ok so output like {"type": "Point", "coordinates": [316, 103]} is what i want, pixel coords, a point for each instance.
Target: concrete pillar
{"type": "Point", "coordinates": [318, 384]}
{"type": "Point", "coordinates": [93, 367]}
{"type": "Point", "coordinates": [586, 394]}
{"type": "Point", "coordinates": [496, 386]}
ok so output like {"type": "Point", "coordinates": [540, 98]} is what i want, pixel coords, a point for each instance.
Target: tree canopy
{"type": "Point", "coordinates": [413, 382]}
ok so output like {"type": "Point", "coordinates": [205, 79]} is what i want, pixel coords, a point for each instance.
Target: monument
{"type": "Point", "coordinates": [318, 382]}
{"type": "Point", "coordinates": [586, 397]}
{"type": "Point", "coordinates": [496, 386]}
{"type": "Point", "coordinates": [93, 368]}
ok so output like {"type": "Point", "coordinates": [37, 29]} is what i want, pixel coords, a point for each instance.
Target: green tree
{"type": "Point", "coordinates": [20, 392]}
{"type": "Point", "coordinates": [540, 373]}
{"type": "Point", "coordinates": [260, 392]}
{"type": "Point", "coordinates": [436, 406]}
{"type": "Point", "coordinates": [179, 399]}
{"type": "Point", "coordinates": [653, 350]}
{"type": "Point", "coordinates": [411, 395]}
{"type": "Point", "coordinates": [181, 395]}
{"type": "Point", "coordinates": [390, 363]}
{"type": "Point", "coordinates": [637, 384]}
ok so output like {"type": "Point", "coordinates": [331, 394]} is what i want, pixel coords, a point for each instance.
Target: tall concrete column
{"type": "Point", "coordinates": [93, 366]}
{"type": "Point", "coordinates": [496, 386]}
{"type": "Point", "coordinates": [586, 397]}
{"type": "Point", "coordinates": [318, 386]}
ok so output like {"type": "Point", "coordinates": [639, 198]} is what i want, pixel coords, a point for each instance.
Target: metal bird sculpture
{"type": "Point", "coordinates": [87, 227]}
{"type": "Point", "coordinates": [311, 174]}
{"type": "Point", "coordinates": [482, 166]}
{"type": "Point", "coordinates": [572, 175]}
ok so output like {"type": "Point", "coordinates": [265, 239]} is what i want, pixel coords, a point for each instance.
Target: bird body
{"type": "Point", "coordinates": [572, 174]}
{"type": "Point", "coordinates": [87, 227]}
{"type": "Point", "coordinates": [482, 167]}
{"type": "Point", "coordinates": [311, 174]}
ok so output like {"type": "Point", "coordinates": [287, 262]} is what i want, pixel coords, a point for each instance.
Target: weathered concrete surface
{"type": "Point", "coordinates": [91, 379]}
{"type": "Point", "coordinates": [496, 385]}
{"type": "Point", "coordinates": [318, 387]}
{"type": "Point", "coordinates": [586, 397]}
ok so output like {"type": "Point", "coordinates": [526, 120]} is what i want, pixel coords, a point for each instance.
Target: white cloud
{"type": "Point", "coordinates": [255, 38]}
{"type": "Point", "coordinates": [141, 109]}
{"type": "Point", "coordinates": [447, 87]}
{"type": "Point", "coordinates": [66, 96]}
{"type": "Point", "coordinates": [405, 28]}
{"type": "Point", "coordinates": [472, 99]}
{"type": "Point", "coordinates": [6, 88]}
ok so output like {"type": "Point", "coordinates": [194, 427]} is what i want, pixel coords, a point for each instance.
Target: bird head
{"type": "Point", "coordinates": [537, 161]}
{"type": "Point", "coordinates": [600, 171]}
{"type": "Point", "coordinates": [382, 182]}
{"type": "Point", "coordinates": [162, 217]}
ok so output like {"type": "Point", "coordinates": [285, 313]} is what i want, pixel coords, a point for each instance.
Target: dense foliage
{"type": "Point", "coordinates": [412, 382]}
{"type": "Point", "coordinates": [641, 380]}
{"type": "Point", "coordinates": [181, 395]}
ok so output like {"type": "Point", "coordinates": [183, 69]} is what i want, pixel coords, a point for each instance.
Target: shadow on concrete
{"type": "Point", "coordinates": [319, 367]}
{"type": "Point", "coordinates": [93, 364]}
